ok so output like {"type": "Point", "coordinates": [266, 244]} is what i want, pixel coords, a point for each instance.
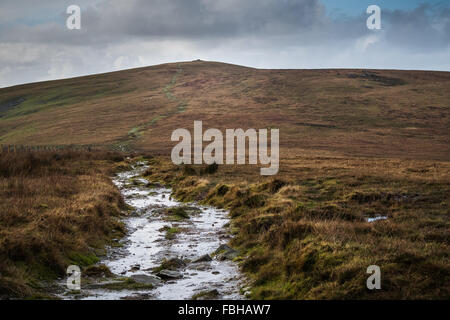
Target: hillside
{"type": "Point", "coordinates": [403, 114]}
{"type": "Point", "coordinates": [364, 175]}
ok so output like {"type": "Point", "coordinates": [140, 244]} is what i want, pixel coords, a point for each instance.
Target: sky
{"type": "Point", "coordinates": [36, 45]}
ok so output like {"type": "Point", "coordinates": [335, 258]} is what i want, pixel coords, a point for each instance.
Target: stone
{"type": "Point", "coordinates": [146, 279]}
{"type": "Point", "coordinates": [204, 258]}
{"type": "Point", "coordinates": [101, 285]}
{"type": "Point", "coordinates": [136, 267]}
{"type": "Point", "coordinates": [203, 266]}
{"type": "Point", "coordinates": [173, 264]}
{"type": "Point", "coordinates": [225, 252]}
{"type": "Point", "coordinates": [206, 295]}
{"type": "Point", "coordinates": [169, 274]}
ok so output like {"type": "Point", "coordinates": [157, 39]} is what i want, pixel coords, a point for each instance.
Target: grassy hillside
{"type": "Point", "coordinates": [346, 112]}
{"type": "Point", "coordinates": [355, 144]}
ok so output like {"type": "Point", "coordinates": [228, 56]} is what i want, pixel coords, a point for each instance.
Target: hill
{"type": "Point", "coordinates": [364, 174]}
{"type": "Point", "coordinates": [380, 113]}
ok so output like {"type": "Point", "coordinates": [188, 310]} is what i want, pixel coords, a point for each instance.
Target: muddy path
{"type": "Point", "coordinates": [166, 257]}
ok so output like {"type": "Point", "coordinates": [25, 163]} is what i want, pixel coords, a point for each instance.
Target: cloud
{"type": "Point", "coordinates": [422, 29]}
{"type": "Point", "coordinates": [35, 44]}
{"type": "Point", "coordinates": [364, 43]}
{"type": "Point", "coordinates": [113, 20]}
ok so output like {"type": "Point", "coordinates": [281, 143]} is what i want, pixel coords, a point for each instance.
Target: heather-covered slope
{"type": "Point", "coordinates": [350, 112]}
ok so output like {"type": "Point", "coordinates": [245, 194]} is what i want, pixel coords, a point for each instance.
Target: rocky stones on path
{"type": "Point", "coordinates": [135, 268]}
{"type": "Point", "coordinates": [204, 258]}
{"type": "Point", "coordinates": [225, 252]}
{"type": "Point", "coordinates": [206, 295]}
{"type": "Point", "coordinates": [173, 264]}
{"type": "Point", "coordinates": [203, 266]}
{"type": "Point", "coordinates": [169, 274]}
{"type": "Point", "coordinates": [139, 212]}
{"type": "Point", "coordinates": [146, 279]}
{"type": "Point", "coordinates": [140, 181]}
{"type": "Point", "coordinates": [158, 209]}
{"type": "Point", "coordinates": [137, 297]}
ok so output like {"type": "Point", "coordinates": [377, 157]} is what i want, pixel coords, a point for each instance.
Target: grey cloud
{"type": "Point", "coordinates": [423, 29]}
{"type": "Point", "coordinates": [282, 21]}
{"type": "Point", "coordinates": [261, 33]}
{"type": "Point", "coordinates": [113, 20]}
{"type": "Point", "coordinates": [203, 18]}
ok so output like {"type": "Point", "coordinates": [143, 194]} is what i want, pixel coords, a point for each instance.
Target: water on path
{"type": "Point", "coordinates": [146, 246]}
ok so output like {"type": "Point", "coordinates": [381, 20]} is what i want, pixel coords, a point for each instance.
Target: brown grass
{"type": "Point", "coordinates": [56, 209]}
{"type": "Point", "coordinates": [304, 234]}
{"type": "Point", "coordinates": [381, 113]}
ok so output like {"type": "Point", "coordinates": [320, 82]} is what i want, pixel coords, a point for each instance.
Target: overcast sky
{"type": "Point", "coordinates": [35, 44]}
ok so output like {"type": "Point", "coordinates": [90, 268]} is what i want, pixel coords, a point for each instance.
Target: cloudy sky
{"type": "Point", "coordinates": [35, 44]}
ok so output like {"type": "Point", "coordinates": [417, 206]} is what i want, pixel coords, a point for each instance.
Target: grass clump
{"type": "Point", "coordinates": [127, 284]}
{"type": "Point", "coordinates": [57, 209]}
{"type": "Point", "coordinates": [178, 213]}
{"type": "Point", "coordinates": [97, 271]}
{"type": "Point", "coordinates": [171, 232]}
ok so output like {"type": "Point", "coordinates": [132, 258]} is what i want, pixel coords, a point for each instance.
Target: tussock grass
{"type": "Point", "coordinates": [304, 234]}
{"type": "Point", "coordinates": [57, 209]}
